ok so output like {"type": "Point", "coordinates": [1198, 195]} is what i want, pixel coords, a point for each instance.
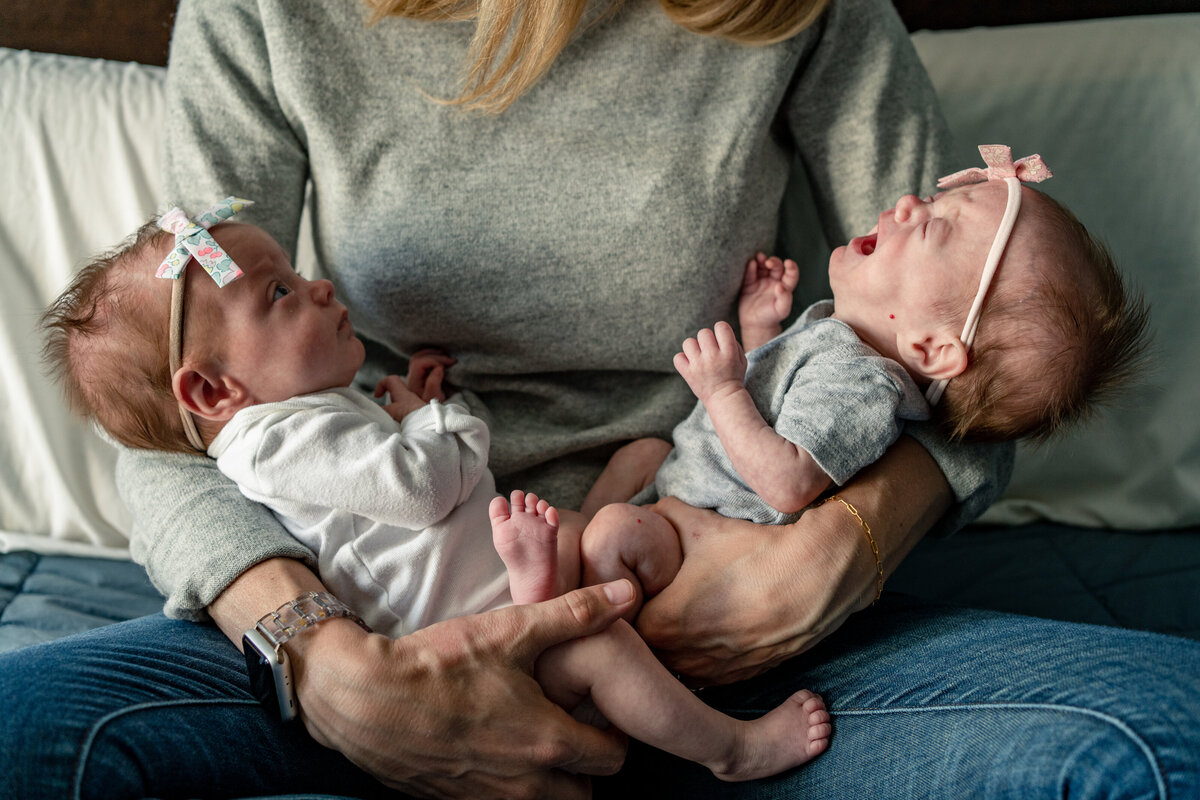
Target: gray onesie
{"type": "Point", "coordinates": [821, 388]}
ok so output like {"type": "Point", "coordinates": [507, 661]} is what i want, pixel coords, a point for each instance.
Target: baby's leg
{"type": "Point", "coordinates": [637, 694]}
{"type": "Point", "coordinates": [631, 469]}
{"type": "Point", "coordinates": [527, 537]}
{"type": "Point", "coordinates": [627, 541]}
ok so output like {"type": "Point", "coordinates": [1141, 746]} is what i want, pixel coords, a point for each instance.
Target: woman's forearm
{"type": "Point", "coordinates": [258, 591]}
{"type": "Point", "coordinates": [900, 497]}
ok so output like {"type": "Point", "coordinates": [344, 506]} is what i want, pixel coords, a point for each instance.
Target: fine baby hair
{"type": "Point", "coordinates": [110, 334]}
{"type": "Point", "coordinates": [1046, 348]}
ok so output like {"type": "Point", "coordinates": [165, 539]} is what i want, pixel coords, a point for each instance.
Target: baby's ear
{"type": "Point", "coordinates": [209, 393]}
{"type": "Point", "coordinates": [937, 356]}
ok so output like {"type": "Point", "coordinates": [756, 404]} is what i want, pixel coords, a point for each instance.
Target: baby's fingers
{"type": "Point", "coordinates": [389, 385]}
{"type": "Point", "coordinates": [724, 337]}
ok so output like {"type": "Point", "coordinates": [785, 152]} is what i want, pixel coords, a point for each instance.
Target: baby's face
{"type": "Point", "coordinates": [282, 335]}
{"type": "Point", "coordinates": [923, 256]}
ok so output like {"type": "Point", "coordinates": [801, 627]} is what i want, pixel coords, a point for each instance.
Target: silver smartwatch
{"type": "Point", "coordinates": [267, 663]}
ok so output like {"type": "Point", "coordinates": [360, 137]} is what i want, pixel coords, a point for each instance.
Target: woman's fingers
{"type": "Point", "coordinates": [746, 598]}
{"type": "Point", "coordinates": [582, 612]}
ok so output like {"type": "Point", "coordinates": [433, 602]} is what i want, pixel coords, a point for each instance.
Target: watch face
{"type": "Point", "coordinates": [260, 669]}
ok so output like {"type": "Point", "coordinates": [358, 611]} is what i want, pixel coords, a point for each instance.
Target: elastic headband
{"type": "Point", "coordinates": [1000, 166]}
{"type": "Point", "coordinates": [193, 241]}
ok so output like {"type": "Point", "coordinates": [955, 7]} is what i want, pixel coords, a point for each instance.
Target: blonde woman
{"type": "Point", "coordinates": [558, 192]}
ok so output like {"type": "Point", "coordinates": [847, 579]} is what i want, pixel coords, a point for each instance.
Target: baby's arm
{"type": "Point", "coordinates": [766, 298]}
{"type": "Point", "coordinates": [411, 474]}
{"type": "Point", "coordinates": [785, 476]}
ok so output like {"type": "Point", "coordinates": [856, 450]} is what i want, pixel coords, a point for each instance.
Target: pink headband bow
{"type": "Point", "coordinates": [1000, 166]}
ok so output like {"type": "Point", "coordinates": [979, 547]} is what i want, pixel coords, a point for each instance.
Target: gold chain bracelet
{"type": "Point", "coordinates": [867, 530]}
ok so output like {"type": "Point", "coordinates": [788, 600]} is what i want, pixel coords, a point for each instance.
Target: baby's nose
{"type": "Point", "coordinates": [322, 290]}
{"type": "Point", "coordinates": [906, 206]}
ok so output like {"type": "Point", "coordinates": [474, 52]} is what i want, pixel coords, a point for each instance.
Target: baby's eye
{"type": "Point", "coordinates": [280, 292]}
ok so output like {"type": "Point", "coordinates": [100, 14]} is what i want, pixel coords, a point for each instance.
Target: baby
{"type": "Point", "coordinates": [988, 303]}
{"type": "Point", "coordinates": [393, 499]}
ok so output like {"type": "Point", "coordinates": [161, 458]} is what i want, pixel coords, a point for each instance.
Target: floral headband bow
{"type": "Point", "coordinates": [193, 241]}
{"type": "Point", "coordinates": [1000, 167]}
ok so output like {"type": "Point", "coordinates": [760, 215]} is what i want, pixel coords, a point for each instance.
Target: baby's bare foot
{"type": "Point", "coordinates": [526, 537]}
{"type": "Point", "coordinates": [788, 736]}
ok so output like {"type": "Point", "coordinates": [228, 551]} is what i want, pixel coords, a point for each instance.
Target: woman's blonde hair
{"type": "Point", "coordinates": [516, 41]}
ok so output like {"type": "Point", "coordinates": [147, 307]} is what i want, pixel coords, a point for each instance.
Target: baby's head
{"type": "Point", "coordinates": [266, 336]}
{"type": "Point", "coordinates": [1061, 336]}
{"type": "Point", "coordinates": [1056, 332]}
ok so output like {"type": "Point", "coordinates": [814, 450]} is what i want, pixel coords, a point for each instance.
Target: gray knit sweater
{"type": "Point", "coordinates": [561, 251]}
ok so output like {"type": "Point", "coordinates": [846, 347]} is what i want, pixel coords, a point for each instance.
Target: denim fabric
{"type": "Point", "coordinates": [937, 702]}
{"type": "Point", "coordinates": [928, 701]}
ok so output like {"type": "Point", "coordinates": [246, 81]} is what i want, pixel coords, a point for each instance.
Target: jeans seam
{"type": "Point", "coordinates": [1115, 722]}
{"type": "Point", "coordinates": [89, 740]}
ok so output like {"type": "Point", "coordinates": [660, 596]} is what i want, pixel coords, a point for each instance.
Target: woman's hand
{"type": "Point", "coordinates": [452, 710]}
{"type": "Point", "coordinates": [748, 596]}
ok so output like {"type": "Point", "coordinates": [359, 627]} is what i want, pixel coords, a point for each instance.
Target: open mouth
{"type": "Point", "coordinates": [866, 244]}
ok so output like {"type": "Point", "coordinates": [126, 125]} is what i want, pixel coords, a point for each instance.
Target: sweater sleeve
{"type": "Point", "coordinates": [193, 530]}
{"type": "Point", "coordinates": [865, 117]}
{"type": "Point", "coordinates": [868, 129]}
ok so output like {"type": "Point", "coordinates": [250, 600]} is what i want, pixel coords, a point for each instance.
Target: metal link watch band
{"type": "Point", "coordinates": [304, 612]}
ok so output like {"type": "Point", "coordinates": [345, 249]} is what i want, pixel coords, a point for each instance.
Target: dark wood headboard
{"type": "Point", "coordinates": [140, 30]}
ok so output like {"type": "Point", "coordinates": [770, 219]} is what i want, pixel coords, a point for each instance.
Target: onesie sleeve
{"type": "Point", "coordinates": [846, 409]}
{"type": "Point", "coordinates": [977, 474]}
{"type": "Point", "coordinates": [410, 475]}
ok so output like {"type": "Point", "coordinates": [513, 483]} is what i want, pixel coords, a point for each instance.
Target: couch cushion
{"type": "Point", "coordinates": [44, 597]}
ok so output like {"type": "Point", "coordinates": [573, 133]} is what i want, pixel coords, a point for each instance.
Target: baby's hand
{"type": "Point", "coordinates": [713, 362]}
{"type": "Point", "coordinates": [426, 371]}
{"type": "Point", "coordinates": [401, 401]}
{"type": "Point", "coordinates": [767, 291]}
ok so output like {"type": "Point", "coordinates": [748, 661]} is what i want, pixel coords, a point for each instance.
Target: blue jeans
{"type": "Point", "coordinates": [928, 701]}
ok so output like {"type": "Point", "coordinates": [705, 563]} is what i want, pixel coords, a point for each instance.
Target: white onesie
{"type": "Point", "coordinates": [396, 513]}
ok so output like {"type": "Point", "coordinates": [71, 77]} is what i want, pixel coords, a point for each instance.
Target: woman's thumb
{"type": "Point", "coordinates": [577, 613]}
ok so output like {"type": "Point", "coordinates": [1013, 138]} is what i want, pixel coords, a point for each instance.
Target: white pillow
{"type": "Point", "coordinates": [80, 152]}
{"type": "Point", "coordinates": [1112, 106]}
